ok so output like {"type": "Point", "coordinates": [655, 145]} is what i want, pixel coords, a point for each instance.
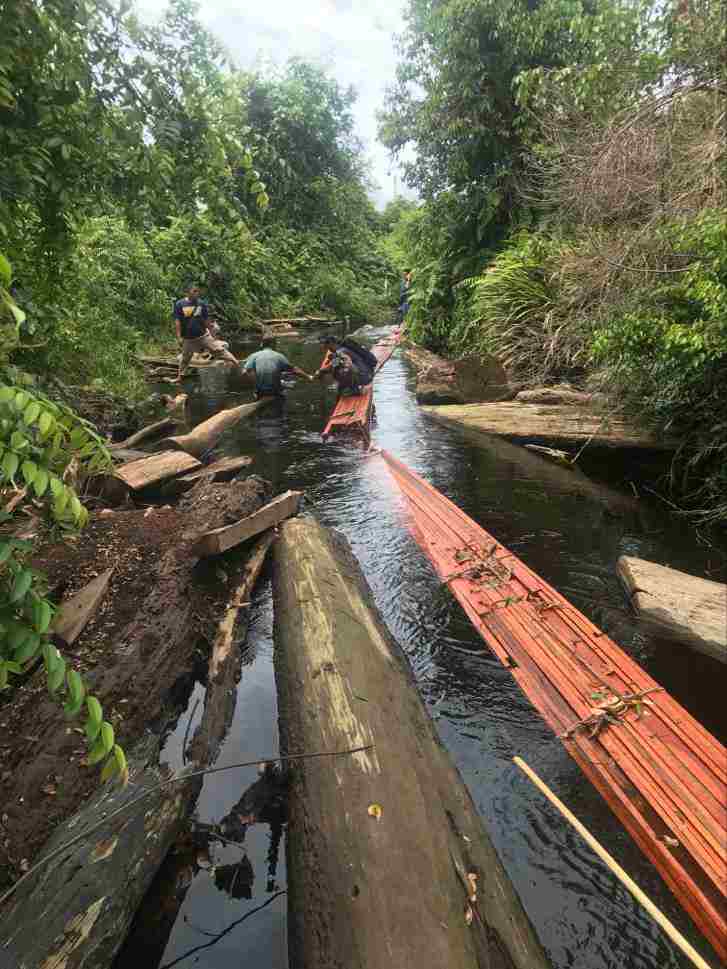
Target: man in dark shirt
{"type": "Point", "coordinates": [191, 317]}
{"type": "Point", "coordinates": [268, 366]}
{"type": "Point", "coordinates": [351, 366]}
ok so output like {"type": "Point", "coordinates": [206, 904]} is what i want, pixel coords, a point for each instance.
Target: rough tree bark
{"type": "Point", "coordinates": [365, 890]}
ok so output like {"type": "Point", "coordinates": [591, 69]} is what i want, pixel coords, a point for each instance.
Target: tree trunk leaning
{"type": "Point", "coordinates": [225, 661]}
{"type": "Point", "coordinates": [368, 891]}
{"type": "Point", "coordinates": [204, 437]}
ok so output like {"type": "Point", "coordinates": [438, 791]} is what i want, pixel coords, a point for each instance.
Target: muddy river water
{"type": "Point", "coordinates": [223, 906]}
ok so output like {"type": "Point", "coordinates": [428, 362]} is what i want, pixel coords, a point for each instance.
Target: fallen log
{"type": "Point", "coordinates": [678, 606]}
{"type": "Point", "coordinates": [153, 430]}
{"type": "Point", "coordinates": [154, 468]}
{"type": "Point", "coordinates": [125, 455]}
{"type": "Point", "coordinates": [222, 470]}
{"type": "Point", "coordinates": [81, 904]}
{"type": "Point", "coordinates": [225, 660]}
{"type": "Point", "coordinates": [221, 539]}
{"type": "Point", "coordinates": [205, 435]}
{"type": "Point", "coordinates": [381, 842]}
{"type": "Point", "coordinates": [74, 613]}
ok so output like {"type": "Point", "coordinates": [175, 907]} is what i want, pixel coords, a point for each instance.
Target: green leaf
{"type": "Point", "coordinates": [6, 272]}
{"type": "Point", "coordinates": [23, 581]}
{"type": "Point", "coordinates": [42, 615]}
{"type": "Point", "coordinates": [97, 753]}
{"type": "Point", "coordinates": [107, 736]}
{"type": "Point", "coordinates": [95, 717]}
{"type": "Point", "coordinates": [78, 436]}
{"type": "Point", "coordinates": [32, 411]}
{"type": "Point", "coordinates": [76, 693]}
{"type": "Point", "coordinates": [29, 469]}
{"type": "Point", "coordinates": [40, 482]}
{"type": "Point", "coordinates": [57, 675]}
{"type": "Point", "coordinates": [6, 394]}
{"type": "Point", "coordinates": [46, 424]}
{"type": "Point", "coordinates": [76, 508]}
{"type": "Point", "coordinates": [10, 464]}
{"type": "Point", "coordinates": [6, 550]}
{"type": "Point", "coordinates": [109, 769]}
{"type": "Point", "coordinates": [18, 440]}
{"type": "Point", "coordinates": [56, 486]}
{"type": "Point", "coordinates": [21, 399]}
{"type": "Point", "coordinates": [29, 648]}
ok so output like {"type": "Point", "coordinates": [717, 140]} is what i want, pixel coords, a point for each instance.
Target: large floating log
{"type": "Point", "coordinates": [74, 613]}
{"type": "Point", "coordinates": [225, 661]}
{"type": "Point", "coordinates": [678, 606]}
{"type": "Point", "coordinates": [380, 842]}
{"type": "Point", "coordinates": [204, 437]}
{"type": "Point", "coordinates": [152, 430]}
{"type": "Point", "coordinates": [555, 425]}
{"type": "Point", "coordinates": [221, 539]}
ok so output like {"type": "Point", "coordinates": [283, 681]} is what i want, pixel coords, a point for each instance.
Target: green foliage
{"type": "Point", "coordinates": [42, 446]}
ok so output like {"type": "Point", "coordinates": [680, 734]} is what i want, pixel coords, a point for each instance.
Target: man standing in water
{"type": "Point", "coordinates": [351, 365]}
{"type": "Point", "coordinates": [404, 295]}
{"type": "Point", "coordinates": [269, 366]}
{"type": "Point", "coordinates": [191, 316]}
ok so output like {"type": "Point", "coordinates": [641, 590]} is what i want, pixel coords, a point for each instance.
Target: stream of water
{"type": "Point", "coordinates": [207, 909]}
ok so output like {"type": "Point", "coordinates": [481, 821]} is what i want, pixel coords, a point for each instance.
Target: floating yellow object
{"type": "Point", "coordinates": [375, 810]}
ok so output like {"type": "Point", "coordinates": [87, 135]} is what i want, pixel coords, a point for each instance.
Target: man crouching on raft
{"type": "Point", "coordinates": [351, 365]}
{"type": "Point", "coordinates": [191, 316]}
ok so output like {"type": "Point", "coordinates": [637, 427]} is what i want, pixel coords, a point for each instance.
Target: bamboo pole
{"type": "Point", "coordinates": [662, 921]}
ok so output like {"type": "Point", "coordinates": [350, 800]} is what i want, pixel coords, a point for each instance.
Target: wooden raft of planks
{"type": "Point", "coordinates": [660, 771]}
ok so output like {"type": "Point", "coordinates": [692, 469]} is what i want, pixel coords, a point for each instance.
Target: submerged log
{"type": "Point", "coordinates": [221, 539]}
{"type": "Point", "coordinates": [225, 661]}
{"type": "Point", "coordinates": [74, 613]}
{"type": "Point", "coordinates": [380, 843]}
{"type": "Point", "coordinates": [152, 430]}
{"type": "Point", "coordinates": [204, 437]}
{"type": "Point", "coordinates": [678, 606]}
{"type": "Point", "coordinates": [555, 425]}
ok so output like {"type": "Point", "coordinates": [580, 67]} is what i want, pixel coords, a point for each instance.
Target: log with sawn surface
{"type": "Point", "coordinates": [225, 661]}
{"type": "Point", "coordinates": [152, 430]}
{"type": "Point", "coordinates": [221, 539]}
{"type": "Point", "coordinates": [73, 614]}
{"type": "Point", "coordinates": [81, 905]}
{"type": "Point", "coordinates": [205, 435]}
{"type": "Point", "coordinates": [683, 608]}
{"type": "Point", "coordinates": [367, 892]}
{"type": "Point", "coordinates": [144, 472]}
{"type": "Point", "coordinates": [223, 470]}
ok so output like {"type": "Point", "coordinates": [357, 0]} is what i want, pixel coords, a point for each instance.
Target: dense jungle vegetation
{"type": "Point", "coordinates": [136, 160]}
{"type": "Point", "coordinates": [570, 157]}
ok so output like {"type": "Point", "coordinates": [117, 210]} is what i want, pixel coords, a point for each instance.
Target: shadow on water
{"type": "Point", "coordinates": [583, 916]}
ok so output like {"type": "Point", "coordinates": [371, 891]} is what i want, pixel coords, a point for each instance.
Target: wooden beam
{"type": "Point", "coordinates": [380, 842]}
{"type": "Point", "coordinates": [678, 606]}
{"type": "Point", "coordinates": [221, 539]}
{"type": "Point", "coordinates": [74, 613]}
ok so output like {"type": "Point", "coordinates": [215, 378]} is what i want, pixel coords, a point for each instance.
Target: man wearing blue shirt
{"type": "Point", "coordinates": [191, 316]}
{"type": "Point", "coordinates": [269, 366]}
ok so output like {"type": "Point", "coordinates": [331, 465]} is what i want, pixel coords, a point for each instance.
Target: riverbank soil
{"type": "Point", "coordinates": [464, 381]}
{"type": "Point", "coordinates": [143, 643]}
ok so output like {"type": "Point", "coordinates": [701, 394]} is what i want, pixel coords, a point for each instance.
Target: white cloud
{"type": "Point", "coordinates": [354, 41]}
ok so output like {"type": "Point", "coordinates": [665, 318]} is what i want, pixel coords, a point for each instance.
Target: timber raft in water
{"type": "Point", "coordinates": [381, 843]}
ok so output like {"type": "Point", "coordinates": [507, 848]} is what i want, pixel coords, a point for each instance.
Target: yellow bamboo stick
{"type": "Point", "coordinates": [674, 934]}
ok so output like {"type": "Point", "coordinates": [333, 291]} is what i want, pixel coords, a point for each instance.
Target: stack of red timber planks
{"type": "Point", "coordinates": [660, 771]}
{"type": "Point", "coordinates": [352, 415]}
